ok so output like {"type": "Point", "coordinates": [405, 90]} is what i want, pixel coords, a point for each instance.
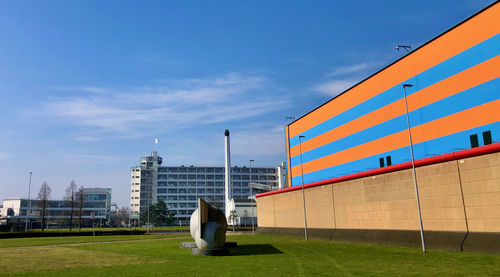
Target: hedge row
{"type": "Point", "coordinates": [66, 234]}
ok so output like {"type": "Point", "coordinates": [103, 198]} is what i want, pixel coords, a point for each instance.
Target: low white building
{"type": "Point", "coordinates": [96, 204]}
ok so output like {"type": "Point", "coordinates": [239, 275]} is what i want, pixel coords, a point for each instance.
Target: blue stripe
{"type": "Point", "coordinates": [470, 98]}
{"type": "Point", "coordinates": [452, 143]}
{"type": "Point", "coordinates": [470, 57]}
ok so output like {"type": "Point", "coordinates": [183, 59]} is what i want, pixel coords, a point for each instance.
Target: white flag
{"type": "Point", "coordinates": [156, 141]}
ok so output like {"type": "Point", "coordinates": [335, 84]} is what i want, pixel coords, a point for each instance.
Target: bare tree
{"type": "Point", "coordinates": [70, 198]}
{"type": "Point", "coordinates": [124, 210]}
{"type": "Point", "coordinates": [80, 198]}
{"type": "Point", "coordinates": [43, 201]}
{"type": "Point", "coordinates": [233, 217]}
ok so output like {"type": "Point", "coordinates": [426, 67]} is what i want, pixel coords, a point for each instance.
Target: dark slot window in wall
{"type": "Point", "coordinates": [487, 138]}
{"type": "Point", "coordinates": [381, 161]}
{"type": "Point", "coordinates": [389, 161]}
{"type": "Point", "coordinates": [474, 141]}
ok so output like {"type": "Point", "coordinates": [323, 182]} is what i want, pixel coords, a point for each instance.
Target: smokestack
{"type": "Point", "coordinates": [228, 195]}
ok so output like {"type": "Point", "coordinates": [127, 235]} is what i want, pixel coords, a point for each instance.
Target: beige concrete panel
{"type": "Point", "coordinates": [485, 161]}
{"type": "Point", "coordinates": [265, 211]}
{"type": "Point", "coordinates": [483, 199]}
{"type": "Point", "coordinates": [289, 211]}
{"type": "Point", "coordinates": [345, 195]}
{"type": "Point", "coordinates": [481, 186]}
{"type": "Point", "coordinates": [440, 197]}
{"type": "Point", "coordinates": [385, 201]}
{"type": "Point", "coordinates": [319, 207]}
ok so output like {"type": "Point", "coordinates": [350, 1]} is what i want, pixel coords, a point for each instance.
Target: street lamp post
{"type": "Point", "coordinates": [29, 205]}
{"type": "Point", "coordinates": [303, 194]}
{"type": "Point", "coordinates": [251, 194]}
{"type": "Point", "coordinates": [413, 166]}
{"type": "Point", "coordinates": [405, 47]}
{"type": "Point", "coordinates": [287, 150]}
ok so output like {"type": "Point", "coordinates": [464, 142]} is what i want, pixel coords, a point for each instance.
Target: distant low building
{"type": "Point", "coordinates": [96, 204]}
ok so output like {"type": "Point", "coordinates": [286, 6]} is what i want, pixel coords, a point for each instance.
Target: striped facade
{"type": "Point", "coordinates": [453, 105]}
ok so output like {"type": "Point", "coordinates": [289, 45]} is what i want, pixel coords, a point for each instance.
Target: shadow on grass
{"type": "Point", "coordinates": [254, 249]}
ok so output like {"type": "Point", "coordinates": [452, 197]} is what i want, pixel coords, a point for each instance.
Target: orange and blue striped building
{"type": "Point", "coordinates": [453, 105]}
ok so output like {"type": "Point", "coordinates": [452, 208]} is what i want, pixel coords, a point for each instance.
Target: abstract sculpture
{"type": "Point", "coordinates": [208, 227]}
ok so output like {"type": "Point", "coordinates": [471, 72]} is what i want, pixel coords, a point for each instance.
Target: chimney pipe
{"type": "Point", "coordinates": [228, 188]}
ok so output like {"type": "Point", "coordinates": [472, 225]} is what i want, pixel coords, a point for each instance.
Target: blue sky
{"type": "Point", "coordinates": [86, 86]}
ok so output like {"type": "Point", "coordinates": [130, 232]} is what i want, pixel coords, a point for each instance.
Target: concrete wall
{"type": "Point", "coordinates": [481, 185]}
{"type": "Point", "coordinates": [456, 197]}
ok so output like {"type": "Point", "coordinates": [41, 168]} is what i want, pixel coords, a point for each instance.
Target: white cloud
{"type": "Point", "coordinates": [87, 138]}
{"type": "Point", "coordinates": [334, 87]}
{"type": "Point", "coordinates": [349, 69]}
{"type": "Point", "coordinates": [341, 78]}
{"type": "Point", "coordinates": [259, 141]}
{"type": "Point", "coordinates": [5, 156]}
{"type": "Point", "coordinates": [88, 158]}
{"type": "Point", "coordinates": [180, 104]}
{"type": "Point", "coordinates": [263, 142]}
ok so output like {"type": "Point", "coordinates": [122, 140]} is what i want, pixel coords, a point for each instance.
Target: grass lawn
{"type": "Point", "coordinates": [259, 255]}
{"type": "Point", "coordinates": [43, 241]}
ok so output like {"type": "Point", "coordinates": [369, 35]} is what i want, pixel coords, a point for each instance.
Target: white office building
{"type": "Point", "coordinates": [180, 187]}
{"type": "Point", "coordinates": [95, 204]}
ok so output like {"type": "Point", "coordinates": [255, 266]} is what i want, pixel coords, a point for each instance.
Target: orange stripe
{"type": "Point", "coordinates": [458, 122]}
{"type": "Point", "coordinates": [462, 81]}
{"type": "Point", "coordinates": [475, 30]}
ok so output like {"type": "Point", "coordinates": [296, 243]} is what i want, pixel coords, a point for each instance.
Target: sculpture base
{"type": "Point", "coordinates": [210, 252]}
{"type": "Point", "coordinates": [192, 244]}
{"type": "Point", "coordinates": [188, 245]}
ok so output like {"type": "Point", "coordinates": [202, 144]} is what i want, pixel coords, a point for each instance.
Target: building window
{"type": "Point", "coordinates": [381, 162]}
{"type": "Point", "coordinates": [388, 160]}
{"type": "Point", "coordinates": [487, 138]}
{"type": "Point", "coordinates": [474, 141]}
